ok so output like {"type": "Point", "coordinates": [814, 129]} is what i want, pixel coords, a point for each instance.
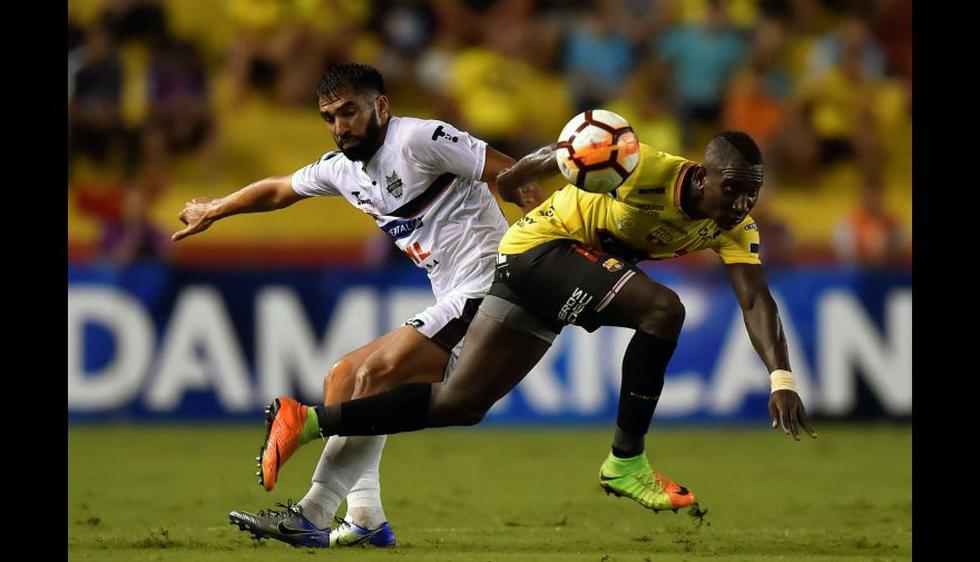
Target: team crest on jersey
{"type": "Point", "coordinates": [612, 264]}
{"type": "Point", "coordinates": [394, 184]}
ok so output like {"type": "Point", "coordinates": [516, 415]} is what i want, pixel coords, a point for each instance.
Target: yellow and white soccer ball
{"type": "Point", "coordinates": [597, 151]}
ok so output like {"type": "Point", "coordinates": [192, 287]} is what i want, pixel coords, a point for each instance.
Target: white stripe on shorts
{"type": "Point", "coordinates": [612, 292]}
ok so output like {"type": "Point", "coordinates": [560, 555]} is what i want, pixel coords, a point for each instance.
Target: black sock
{"type": "Point", "coordinates": [403, 408]}
{"type": "Point", "coordinates": [644, 365]}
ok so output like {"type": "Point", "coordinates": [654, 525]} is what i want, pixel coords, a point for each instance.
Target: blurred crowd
{"type": "Point", "coordinates": [818, 83]}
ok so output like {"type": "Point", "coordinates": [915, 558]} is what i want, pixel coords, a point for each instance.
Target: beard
{"type": "Point", "coordinates": [368, 141]}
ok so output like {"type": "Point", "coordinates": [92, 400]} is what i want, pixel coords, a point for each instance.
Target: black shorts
{"type": "Point", "coordinates": [562, 282]}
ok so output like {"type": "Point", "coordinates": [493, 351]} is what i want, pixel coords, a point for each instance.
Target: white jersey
{"type": "Point", "coordinates": [423, 189]}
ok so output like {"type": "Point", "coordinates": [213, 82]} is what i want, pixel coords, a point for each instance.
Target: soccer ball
{"type": "Point", "coordinates": [597, 151]}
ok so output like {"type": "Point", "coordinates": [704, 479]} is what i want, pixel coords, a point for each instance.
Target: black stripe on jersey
{"type": "Point", "coordinates": [417, 205]}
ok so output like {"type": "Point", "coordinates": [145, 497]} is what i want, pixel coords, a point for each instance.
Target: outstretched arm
{"type": "Point", "coordinates": [521, 178]}
{"type": "Point", "coordinates": [264, 195]}
{"type": "Point", "coordinates": [766, 332]}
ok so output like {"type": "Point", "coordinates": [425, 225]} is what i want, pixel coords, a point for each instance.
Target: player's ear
{"type": "Point", "coordinates": [381, 107]}
{"type": "Point", "coordinates": [700, 173]}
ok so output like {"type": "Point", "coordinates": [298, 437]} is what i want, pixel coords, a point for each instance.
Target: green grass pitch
{"type": "Point", "coordinates": [476, 494]}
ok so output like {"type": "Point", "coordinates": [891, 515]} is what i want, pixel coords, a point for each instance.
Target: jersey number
{"type": "Point", "coordinates": [417, 254]}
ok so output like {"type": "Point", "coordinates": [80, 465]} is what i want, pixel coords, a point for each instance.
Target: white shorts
{"type": "Point", "coordinates": [446, 322]}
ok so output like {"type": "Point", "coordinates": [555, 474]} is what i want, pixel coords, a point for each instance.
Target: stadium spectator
{"type": "Point", "coordinates": [759, 92]}
{"type": "Point", "coordinates": [179, 117]}
{"type": "Point", "coordinates": [870, 236]}
{"type": "Point", "coordinates": [837, 118]}
{"type": "Point", "coordinates": [642, 103]}
{"type": "Point", "coordinates": [282, 46]}
{"type": "Point", "coordinates": [702, 56]}
{"type": "Point", "coordinates": [850, 38]}
{"type": "Point", "coordinates": [598, 58]}
{"type": "Point", "coordinates": [96, 128]}
{"type": "Point", "coordinates": [134, 236]}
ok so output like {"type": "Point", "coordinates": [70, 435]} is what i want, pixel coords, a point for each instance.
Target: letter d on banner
{"type": "Point", "coordinates": [119, 381]}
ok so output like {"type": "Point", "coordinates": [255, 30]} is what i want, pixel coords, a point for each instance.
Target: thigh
{"type": "Point", "coordinates": [495, 357]}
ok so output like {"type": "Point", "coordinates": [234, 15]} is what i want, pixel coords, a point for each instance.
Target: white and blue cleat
{"type": "Point", "coordinates": [348, 533]}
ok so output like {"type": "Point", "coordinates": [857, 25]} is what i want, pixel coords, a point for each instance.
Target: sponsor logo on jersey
{"type": "Point", "coordinates": [440, 133]}
{"type": "Point", "coordinates": [652, 190]}
{"type": "Point", "coordinates": [754, 248]}
{"type": "Point", "coordinates": [752, 226]}
{"type": "Point", "coordinates": [650, 208]}
{"type": "Point", "coordinates": [394, 184]}
{"type": "Point", "coordinates": [574, 306]}
{"type": "Point", "coordinates": [612, 264]}
{"type": "Point", "coordinates": [398, 229]}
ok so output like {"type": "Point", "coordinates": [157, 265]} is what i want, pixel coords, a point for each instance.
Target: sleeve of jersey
{"type": "Point", "coordinates": [441, 148]}
{"type": "Point", "coordinates": [740, 245]}
{"type": "Point", "coordinates": [315, 179]}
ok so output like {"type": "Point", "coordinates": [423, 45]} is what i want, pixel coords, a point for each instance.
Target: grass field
{"type": "Point", "coordinates": [163, 493]}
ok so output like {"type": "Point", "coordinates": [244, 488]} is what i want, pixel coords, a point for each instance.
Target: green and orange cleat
{"type": "Point", "coordinates": [288, 424]}
{"type": "Point", "coordinates": [634, 479]}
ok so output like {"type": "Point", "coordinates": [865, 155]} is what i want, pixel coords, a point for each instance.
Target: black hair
{"type": "Point", "coordinates": [358, 78]}
{"type": "Point", "coordinates": [745, 146]}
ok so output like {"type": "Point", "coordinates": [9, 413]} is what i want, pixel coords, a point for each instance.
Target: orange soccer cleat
{"type": "Point", "coordinates": [284, 422]}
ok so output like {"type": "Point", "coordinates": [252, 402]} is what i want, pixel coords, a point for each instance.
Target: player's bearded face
{"type": "Point", "coordinates": [360, 145]}
{"type": "Point", "coordinates": [354, 123]}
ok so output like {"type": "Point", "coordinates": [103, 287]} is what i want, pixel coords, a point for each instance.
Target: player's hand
{"type": "Point", "coordinates": [531, 196]}
{"type": "Point", "coordinates": [786, 411]}
{"type": "Point", "coordinates": [196, 216]}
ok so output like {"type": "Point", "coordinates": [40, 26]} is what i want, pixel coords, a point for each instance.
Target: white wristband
{"type": "Point", "coordinates": [781, 379]}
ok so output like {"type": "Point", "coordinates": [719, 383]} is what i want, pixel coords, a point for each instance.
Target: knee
{"type": "Point", "coordinates": [665, 316]}
{"type": "Point", "coordinates": [371, 374]}
{"type": "Point", "coordinates": [337, 379]}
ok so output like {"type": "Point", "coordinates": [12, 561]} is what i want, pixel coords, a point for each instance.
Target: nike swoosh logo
{"type": "Point", "coordinates": [603, 477]}
{"type": "Point", "coordinates": [360, 539]}
{"type": "Point", "coordinates": [290, 531]}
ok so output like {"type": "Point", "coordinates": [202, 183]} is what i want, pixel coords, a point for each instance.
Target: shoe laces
{"type": "Point", "coordinates": [287, 508]}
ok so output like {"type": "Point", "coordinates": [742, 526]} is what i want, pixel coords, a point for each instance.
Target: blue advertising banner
{"type": "Point", "coordinates": [154, 342]}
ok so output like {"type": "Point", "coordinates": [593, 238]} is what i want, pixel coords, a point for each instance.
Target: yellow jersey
{"type": "Point", "coordinates": [639, 220]}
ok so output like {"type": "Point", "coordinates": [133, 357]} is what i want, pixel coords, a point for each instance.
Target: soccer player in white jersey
{"type": "Point", "coordinates": [425, 183]}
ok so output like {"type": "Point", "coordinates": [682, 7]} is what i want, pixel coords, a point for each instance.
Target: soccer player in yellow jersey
{"type": "Point", "coordinates": [572, 260]}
